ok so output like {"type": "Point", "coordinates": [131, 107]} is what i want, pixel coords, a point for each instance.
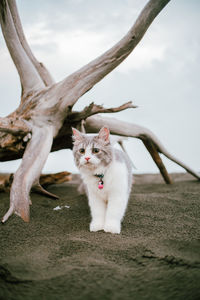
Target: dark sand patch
{"type": "Point", "coordinates": [157, 255]}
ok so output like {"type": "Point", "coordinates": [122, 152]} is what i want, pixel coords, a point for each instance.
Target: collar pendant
{"type": "Point", "coordinates": [100, 182]}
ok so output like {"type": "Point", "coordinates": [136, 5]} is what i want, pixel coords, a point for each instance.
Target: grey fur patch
{"type": "Point", "coordinates": [106, 151]}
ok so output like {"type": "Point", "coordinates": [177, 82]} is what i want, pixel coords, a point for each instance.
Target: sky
{"type": "Point", "coordinates": [161, 75]}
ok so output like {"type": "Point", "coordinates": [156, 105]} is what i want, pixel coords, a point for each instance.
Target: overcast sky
{"type": "Point", "coordinates": [161, 76]}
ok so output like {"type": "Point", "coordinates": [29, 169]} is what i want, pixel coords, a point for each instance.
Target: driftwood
{"type": "Point", "coordinates": [5, 182]}
{"type": "Point", "coordinates": [43, 120]}
{"type": "Point", "coordinates": [44, 181]}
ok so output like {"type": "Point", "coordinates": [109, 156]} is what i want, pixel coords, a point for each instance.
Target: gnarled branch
{"type": "Point", "coordinates": [41, 69]}
{"type": "Point", "coordinates": [13, 126]}
{"type": "Point", "coordinates": [94, 123]}
{"type": "Point", "coordinates": [151, 147]}
{"type": "Point", "coordinates": [29, 171]}
{"type": "Point", "coordinates": [29, 77]}
{"type": "Point", "coordinates": [77, 84]}
{"type": "Point", "coordinates": [44, 181]}
{"type": "Point", "coordinates": [94, 109]}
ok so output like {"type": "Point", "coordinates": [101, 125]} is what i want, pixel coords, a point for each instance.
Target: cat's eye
{"type": "Point", "coordinates": [95, 150]}
{"type": "Point", "coordinates": [82, 150]}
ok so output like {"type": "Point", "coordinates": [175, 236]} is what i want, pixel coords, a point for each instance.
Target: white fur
{"type": "Point", "coordinates": [107, 205]}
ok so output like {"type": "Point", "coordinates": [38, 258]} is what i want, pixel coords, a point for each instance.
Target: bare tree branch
{"type": "Point", "coordinates": [44, 181]}
{"type": "Point", "coordinates": [77, 84]}
{"type": "Point", "coordinates": [13, 126]}
{"type": "Point", "coordinates": [29, 171]}
{"type": "Point", "coordinates": [40, 190]}
{"type": "Point", "coordinates": [94, 109]}
{"type": "Point", "coordinates": [43, 72]}
{"type": "Point", "coordinates": [5, 182]}
{"type": "Point", "coordinates": [151, 147]}
{"type": "Point", "coordinates": [94, 123]}
{"type": "Point", "coordinates": [29, 77]}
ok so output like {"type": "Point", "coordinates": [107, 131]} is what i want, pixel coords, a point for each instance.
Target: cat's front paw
{"type": "Point", "coordinates": [96, 226]}
{"type": "Point", "coordinates": [112, 227]}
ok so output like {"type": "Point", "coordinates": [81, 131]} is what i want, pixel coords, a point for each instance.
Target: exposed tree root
{"type": "Point", "coordinates": [157, 159]}
{"type": "Point", "coordinates": [40, 190]}
{"type": "Point", "coordinates": [29, 171]}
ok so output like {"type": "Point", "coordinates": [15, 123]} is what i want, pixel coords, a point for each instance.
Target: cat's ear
{"type": "Point", "coordinates": [77, 135]}
{"type": "Point", "coordinates": [104, 134]}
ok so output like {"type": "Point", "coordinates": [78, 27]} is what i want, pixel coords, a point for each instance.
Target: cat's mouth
{"type": "Point", "coordinates": [88, 164]}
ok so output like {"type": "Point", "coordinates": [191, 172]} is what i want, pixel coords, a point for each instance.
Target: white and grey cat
{"type": "Point", "coordinates": [107, 175]}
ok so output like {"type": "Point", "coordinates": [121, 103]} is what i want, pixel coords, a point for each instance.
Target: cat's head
{"type": "Point", "coordinates": [92, 151]}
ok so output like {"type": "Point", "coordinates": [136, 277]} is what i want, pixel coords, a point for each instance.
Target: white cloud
{"type": "Point", "coordinates": [39, 34]}
{"type": "Point", "coordinates": [143, 57]}
{"type": "Point", "coordinates": [66, 49]}
{"type": "Point", "coordinates": [71, 49]}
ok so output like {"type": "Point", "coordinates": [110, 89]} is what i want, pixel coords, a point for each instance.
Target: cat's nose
{"type": "Point", "coordinates": [87, 158]}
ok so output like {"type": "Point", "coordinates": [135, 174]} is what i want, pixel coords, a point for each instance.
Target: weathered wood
{"type": "Point", "coordinates": [44, 181]}
{"type": "Point", "coordinates": [29, 171]}
{"type": "Point", "coordinates": [5, 182]}
{"type": "Point", "coordinates": [94, 109]}
{"type": "Point", "coordinates": [29, 77]}
{"type": "Point", "coordinates": [94, 123]}
{"type": "Point", "coordinates": [41, 69]}
{"type": "Point", "coordinates": [78, 83]}
{"type": "Point", "coordinates": [157, 159]}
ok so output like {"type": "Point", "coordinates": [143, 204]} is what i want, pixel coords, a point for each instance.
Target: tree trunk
{"type": "Point", "coordinates": [43, 120]}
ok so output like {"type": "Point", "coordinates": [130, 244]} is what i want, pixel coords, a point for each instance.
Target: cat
{"type": "Point", "coordinates": [107, 175]}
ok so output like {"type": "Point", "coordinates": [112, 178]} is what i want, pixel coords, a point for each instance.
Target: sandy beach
{"type": "Point", "coordinates": [157, 255]}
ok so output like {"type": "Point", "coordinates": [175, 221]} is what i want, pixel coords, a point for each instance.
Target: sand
{"type": "Point", "coordinates": [157, 255]}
